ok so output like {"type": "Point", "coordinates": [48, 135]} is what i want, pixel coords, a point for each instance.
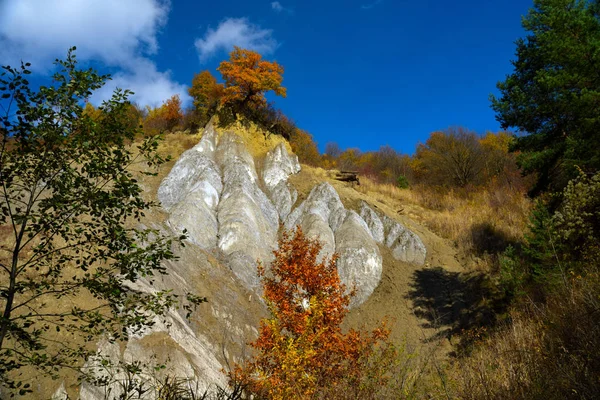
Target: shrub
{"type": "Point", "coordinates": [164, 118]}
{"type": "Point", "coordinates": [301, 350]}
{"type": "Point", "coordinates": [402, 182]}
{"type": "Point", "coordinates": [305, 148]}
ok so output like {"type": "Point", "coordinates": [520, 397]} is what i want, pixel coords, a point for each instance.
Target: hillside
{"type": "Point", "coordinates": [218, 330]}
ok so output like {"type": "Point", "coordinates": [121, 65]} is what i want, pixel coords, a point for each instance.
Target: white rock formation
{"type": "Point", "coordinates": [61, 393]}
{"type": "Point", "coordinates": [323, 216]}
{"type": "Point", "coordinates": [194, 171]}
{"type": "Point", "coordinates": [360, 263]}
{"type": "Point", "coordinates": [279, 165]}
{"type": "Point", "coordinates": [319, 216]}
{"type": "Point", "coordinates": [212, 192]}
{"type": "Point", "coordinates": [406, 246]}
{"type": "Point", "coordinates": [248, 221]}
{"type": "Point", "coordinates": [373, 222]}
{"type": "Point", "coordinates": [191, 192]}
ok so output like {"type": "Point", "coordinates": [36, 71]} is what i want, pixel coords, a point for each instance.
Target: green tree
{"type": "Point", "coordinates": [553, 94]}
{"type": "Point", "coordinates": [68, 200]}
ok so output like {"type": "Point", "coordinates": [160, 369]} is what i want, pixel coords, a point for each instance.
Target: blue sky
{"type": "Point", "coordinates": [360, 73]}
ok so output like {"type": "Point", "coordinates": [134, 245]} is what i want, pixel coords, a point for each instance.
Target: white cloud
{"type": "Point", "coordinates": [235, 32]}
{"type": "Point", "coordinates": [151, 86]}
{"type": "Point", "coordinates": [371, 5]}
{"type": "Point", "coordinates": [117, 33]}
{"type": "Point", "coordinates": [277, 6]}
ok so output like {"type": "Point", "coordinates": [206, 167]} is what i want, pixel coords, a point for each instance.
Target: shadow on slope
{"type": "Point", "coordinates": [456, 303]}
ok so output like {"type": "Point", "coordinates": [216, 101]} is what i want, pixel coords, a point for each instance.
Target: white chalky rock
{"type": "Point", "coordinates": [373, 222]}
{"type": "Point", "coordinates": [406, 246]}
{"type": "Point", "coordinates": [360, 263]}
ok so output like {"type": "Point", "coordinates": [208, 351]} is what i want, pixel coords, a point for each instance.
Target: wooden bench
{"type": "Point", "coordinates": [347, 176]}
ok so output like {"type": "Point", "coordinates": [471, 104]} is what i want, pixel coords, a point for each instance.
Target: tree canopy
{"type": "Point", "coordinates": [248, 77]}
{"type": "Point", "coordinates": [452, 157]}
{"type": "Point", "coordinates": [69, 199]}
{"type": "Point", "coordinates": [553, 94]}
{"type": "Point", "coordinates": [206, 93]}
{"type": "Point", "coordinates": [302, 351]}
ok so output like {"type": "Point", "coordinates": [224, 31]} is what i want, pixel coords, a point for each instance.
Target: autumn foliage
{"type": "Point", "coordinates": [206, 93]}
{"type": "Point", "coordinates": [301, 352]}
{"type": "Point", "coordinates": [304, 147]}
{"type": "Point", "coordinates": [164, 118]}
{"type": "Point", "coordinates": [247, 78]}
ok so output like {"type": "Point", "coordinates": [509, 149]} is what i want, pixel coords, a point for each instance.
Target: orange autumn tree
{"type": "Point", "coordinates": [247, 78]}
{"type": "Point", "coordinates": [304, 146]}
{"type": "Point", "coordinates": [164, 118]}
{"type": "Point", "coordinates": [206, 93]}
{"type": "Point", "coordinates": [302, 352]}
{"type": "Point", "coordinates": [172, 112]}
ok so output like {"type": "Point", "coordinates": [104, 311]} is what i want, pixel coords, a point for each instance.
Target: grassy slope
{"type": "Point", "coordinates": [423, 303]}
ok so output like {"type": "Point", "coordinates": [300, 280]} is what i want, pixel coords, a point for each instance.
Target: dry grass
{"type": "Point", "coordinates": [174, 144]}
{"type": "Point", "coordinates": [257, 142]}
{"type": "Point", "coordinates": [547, 351]}
{"type": "Point", "coordinates": [480, 222]}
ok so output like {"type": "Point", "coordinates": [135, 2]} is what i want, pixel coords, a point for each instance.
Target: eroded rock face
{"type": "Point", "coordinates": [248, 221]}
{"type": "Point", "coordinates": [194, 349]}
{"type": "Point", "coordinates": [360, 263]}
{"type": "Point", "coordinates": [373, 222]}
{"type": "Point", "coordinates": [191, 192]}
{"type": "Point", "coordinates": [319, 216]}
{"type": "Point", "coordinates": [323, 216]}
{"type": "Point", "coordinates": [194, 171]}
{"type": "Point", "coordinates": [212, 192]}
{"type": "Point", "coordinates": [187, 356]}
{"type": "Point", "coordinates": [278, 166]}
{"type": "Point", "coordinates": [406, 245]}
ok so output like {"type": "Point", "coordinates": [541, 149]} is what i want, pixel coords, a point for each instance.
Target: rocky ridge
{"type": "Point", "coordinates": [234, 215]}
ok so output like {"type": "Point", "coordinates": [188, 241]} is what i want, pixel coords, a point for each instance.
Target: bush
{"type": "Point", "coordinates": [305, 148]}
{"type": "Point", "coordinates": [164, 118]}
{"type": "Point", "coordinates": [301, 350]}
{"type": "Point", "coordinates": [561, 243]}
{"type": "Point", "coordinates": [402, 182]}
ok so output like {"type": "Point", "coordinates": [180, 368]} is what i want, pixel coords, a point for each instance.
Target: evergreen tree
{"type": "Point", "coordinates": [553, 94]}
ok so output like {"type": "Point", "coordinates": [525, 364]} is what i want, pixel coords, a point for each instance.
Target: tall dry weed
{"type": "Point", "coordinates": [481, 222]}
{"type": "Point", "coordinates": [547, 351]}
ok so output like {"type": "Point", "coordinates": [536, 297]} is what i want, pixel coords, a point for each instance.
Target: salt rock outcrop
{"type": "Point", "coordinates": [322, 216]}
{"type": "Point", "coordinates": [194, 171]}
{"type": "Point", "coordinates": [248, 221]}
{"type": "Point", "coordinates": [360, 262]}
{"type": "Point", "coordinates": [319, 216]}
{"type": "Point", "coordinates": [191, 192]}
{"type": "Point", "coordinates": [194, 350]}
{"type": "Point", "coordinates": [406, 245]}
{"type": "Point", "coordinates": [212, 192]}
{"type": "Point", "coordinates": [278, 166]}
{"type": "Point", "coordinates": [373, 222]}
